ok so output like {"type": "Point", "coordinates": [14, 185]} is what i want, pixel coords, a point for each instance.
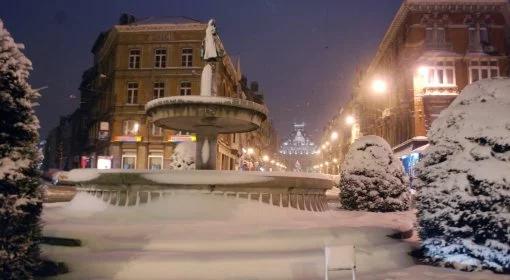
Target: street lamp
{"type": "Point", "coordinates": [379, 86]}
{"type": "Point", "coordinates": [250, 151]}
{"type": "Point", "coordinates": [350, 120]}
{"type": "Point", "coordinates": [334, 136]}
{"type": "Point", "coordinates": [265, 158]}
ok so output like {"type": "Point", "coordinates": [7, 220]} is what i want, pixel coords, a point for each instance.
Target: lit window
{"type": "Point", "coordinates": [129, 159]}
{"type": "Point", "coordinates": [441, 73]}
{"type": "Point", "coordinates": [131, 127]}
{"type": "Point", "coordinates": [132, 93]}
{"type": "Point", "coordinates": [185, 88]}
{"type": "Point", "coordinates": [155, 160]}
{"type": "Point", "coordinates": [478, 36]}
{"type": "Point", "coordinates": [187, 58]}
{"type": "Point", "coordinates": [156, 130]}
{"type": "Point", "coordinates": [159, 90]}
{"type": "Point", "coordinates": [160, 58]}
{"type": "Point", "coordinates": [134, 58]}
{"type": "Point", "coordinates": [483, 69]}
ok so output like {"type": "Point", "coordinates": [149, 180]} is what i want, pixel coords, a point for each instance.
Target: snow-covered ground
{"type": "Point", "coordinates": [206, 237]}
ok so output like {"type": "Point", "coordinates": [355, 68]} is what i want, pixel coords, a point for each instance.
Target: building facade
{"type": "Point", "coordinates": [298, 150]}
{"type": "Point", "coordinates": [430, 52]}
{"type": "Point", "coordinates": [137, 61]}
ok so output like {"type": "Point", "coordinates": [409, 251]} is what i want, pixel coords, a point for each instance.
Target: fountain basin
{"type": "Point", "coordinates": [124, 188]}
{"type": "Point", "coordinates": [206, 114]}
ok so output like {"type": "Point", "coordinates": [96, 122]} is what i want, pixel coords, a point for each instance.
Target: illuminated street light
{"type": "Point", "coordinates": [350, 120]}
{"type": "Point", "coordinates": [379, 86]}
{"type": "Point", "coordinates": [272, 161]}
{"type": "Point", "coordinates": [250, 151]}
{"type": "Point", "coordinates": [423, 71]}
{"type": "Point", "coordinates": [265, 158]}
{"type": "Point", "coordinates": [335, 160]}
{"type": "Point", "coordinates": [334, 135]}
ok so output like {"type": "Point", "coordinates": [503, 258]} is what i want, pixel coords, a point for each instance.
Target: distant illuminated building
{"type": "Point", "coordinates": [298, 149]}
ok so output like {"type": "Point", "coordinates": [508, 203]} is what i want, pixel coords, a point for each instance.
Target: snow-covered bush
{"type": "Point", "coordinates": [372, 179]}
{"type": "Point", "coordinates": [20, 198]}
{"type": "Point", "coordinates": [183, 157]}
{"type": "Point", "coordinates": [464, 181]}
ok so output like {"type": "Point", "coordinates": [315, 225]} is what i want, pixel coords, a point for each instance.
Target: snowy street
{"type": "Point", "coordinates": [219, 238]}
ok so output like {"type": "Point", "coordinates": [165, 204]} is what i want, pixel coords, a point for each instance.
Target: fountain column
{"type": "Point", "coordinates": [206, 151]}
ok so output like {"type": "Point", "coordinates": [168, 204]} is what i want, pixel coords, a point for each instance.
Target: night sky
{"type": "Point", "coordinates": [303, 53]}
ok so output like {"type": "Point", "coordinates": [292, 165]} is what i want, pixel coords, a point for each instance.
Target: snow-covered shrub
{"type": "Point", "coordinates": [20, 198]}
{"type": "Point", "coordinates": [183, 157]}
{"type": "Point", "coordinates": [372, 179]}
{"type": "Point", "coordinates": [464, 181]}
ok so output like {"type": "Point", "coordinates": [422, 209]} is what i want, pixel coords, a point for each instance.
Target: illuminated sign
{"type": "Point", "coordinates": [104, 162]}
{"type": "Point", "coordinates": [182, 138]}
{"type": "Point", "coordinates": [125, 138]}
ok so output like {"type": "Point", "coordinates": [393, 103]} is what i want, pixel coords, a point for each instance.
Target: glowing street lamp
{"type": "Point", "coordinates": [350, 120]}
{"type": "Point", "coordinates": [379, 86]}
{"type": "Point", "coordinates": [423, 70]}
{"type": "Point", "coordinates": [250, 151]}
{"type": "Point", "coordinates": [265, 158]}
{"type": "Point", "coordinates": [334, 136]}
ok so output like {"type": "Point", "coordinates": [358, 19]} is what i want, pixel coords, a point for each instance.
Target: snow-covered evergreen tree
{"type": "Point", "coordinates": [183, 157]}
{"type": "Point", "coordinates": [464, 181]}
{"type": "Point", "coordinates": [20, 202]}
{"type": "Point", "coordinates": [372, 179]}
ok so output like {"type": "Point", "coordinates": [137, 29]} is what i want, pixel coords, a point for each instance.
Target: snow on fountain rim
{"type": "Point", "coordinates": [209, 100]}
{"type": "Point", "coordinates": [194, 177]}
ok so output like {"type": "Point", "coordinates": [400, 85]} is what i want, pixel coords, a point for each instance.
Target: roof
{"type": "Point", "coordinates": [164, 20]}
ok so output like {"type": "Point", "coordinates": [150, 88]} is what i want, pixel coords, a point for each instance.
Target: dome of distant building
{"type": "Point", "coordinates": [298, 143]}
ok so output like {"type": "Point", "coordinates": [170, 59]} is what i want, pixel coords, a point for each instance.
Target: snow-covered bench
{"type": "Point", "coordinates": [340, 257]}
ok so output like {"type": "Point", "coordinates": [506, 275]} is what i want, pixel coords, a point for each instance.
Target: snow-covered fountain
{"type": "Point", "coordinates": [206, 115]}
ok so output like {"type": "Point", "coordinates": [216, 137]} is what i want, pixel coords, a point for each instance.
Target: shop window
{"type": "Point", "coordinates": [129, 160]}
{"type": "Point", "coordinates": [134, 58]}
{"type": "Point", "coordinates": [483, 69]}
{"type": "Point", "coordinates": [155, 160]}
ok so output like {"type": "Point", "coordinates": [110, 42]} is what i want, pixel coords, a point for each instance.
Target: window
{"type": "Point", "coordinates": [131, 127]}
{"type": "Point", "coordinates": [132, 93]}
{"type": "Point", "coordinates": [441, 73]}
{"type": "Point", "coordinates": [435, 37]}
{"type": "Point", "coordinates": [155, 160]}
{"type": "Point", "coordinates": [134, 58]}
{"type": "Point", "coordinates": [159, 90]}
{"type": "Point", "coordinates": [484, 35]}
{"type": "Point", "coordinates": [156, 130]}
{"type": "Point", "coordinates": [483, 69]}
{"type": "Point", "coordinates": [187, 57]}
{"type": "Point", "coordinates": [160, 58]}
{"type": "Point", "coordinates": [185, 88]}
{"type": "Point", "coordinates": [129, 159]}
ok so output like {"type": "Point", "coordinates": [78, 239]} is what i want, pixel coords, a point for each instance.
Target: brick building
{"type": "Point", "coordinates": [430, 52]}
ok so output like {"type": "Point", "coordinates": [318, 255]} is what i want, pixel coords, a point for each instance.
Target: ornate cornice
{"type": "Point", "coordinates": [160, 27]}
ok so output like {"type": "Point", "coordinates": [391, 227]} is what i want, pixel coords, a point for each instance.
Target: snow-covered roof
{"type": "Point", "coordinates": [165, 20]}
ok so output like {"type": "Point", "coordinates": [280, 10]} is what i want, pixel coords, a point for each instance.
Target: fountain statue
{"type": "Point", "coordinates": [207, 115]}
